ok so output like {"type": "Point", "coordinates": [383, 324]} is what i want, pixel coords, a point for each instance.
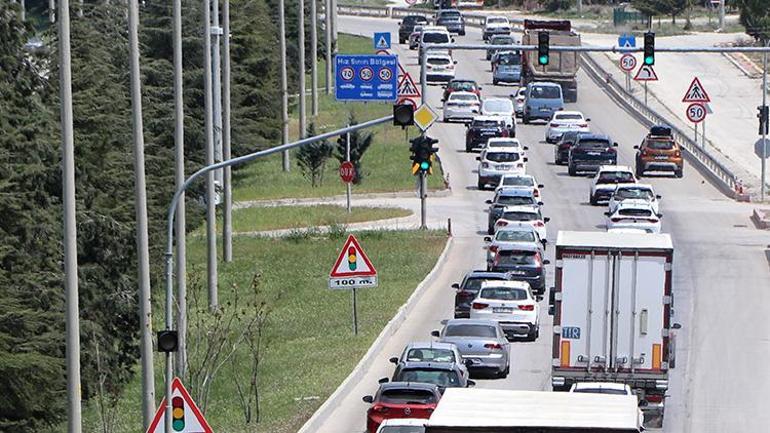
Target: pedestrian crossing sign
{"type": "Point", "coordinates": [696, 92]}
{"type": "Point", "coordinates": [381, 40]}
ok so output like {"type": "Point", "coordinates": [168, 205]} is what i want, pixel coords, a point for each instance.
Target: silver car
{"type": "Point", "coordinates": [481, 341]}
{"type": "Point", "coordinates": [428, 351]}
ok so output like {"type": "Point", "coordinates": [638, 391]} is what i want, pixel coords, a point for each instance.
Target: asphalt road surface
{"type": "Point", "coordinates": [721, 276]}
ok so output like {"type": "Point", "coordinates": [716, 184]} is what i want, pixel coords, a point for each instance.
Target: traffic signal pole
{"type": "Point", "coordinates": [423, 200]}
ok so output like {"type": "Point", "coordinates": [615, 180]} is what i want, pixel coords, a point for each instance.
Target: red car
{"type": "Point", "coordinates": [401, 400]}
{"type": "Point", "coordinates": [461, 86]}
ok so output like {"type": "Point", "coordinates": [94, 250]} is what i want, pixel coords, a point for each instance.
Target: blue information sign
{"type": "Point", "coordinates": [362, 77]}
{"type": "Point", "coordinates": [381, 40]}
{"type": "Point", "coordinates": [626, 41]}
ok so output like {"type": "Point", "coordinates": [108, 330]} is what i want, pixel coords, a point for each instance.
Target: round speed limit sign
{"type": "Point", "coordinates": [347, 73]}
{"type": "Point", "coordinates": [628, 62]}
{"type": "Point", "coordinates": [696, 112]}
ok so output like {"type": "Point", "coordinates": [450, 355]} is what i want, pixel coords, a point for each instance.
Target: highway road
{"type": "Point", "coordinates": [721, 271]}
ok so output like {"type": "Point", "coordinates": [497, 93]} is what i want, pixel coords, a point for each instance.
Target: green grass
{"type": "Point", "coordinates": [310, 347]}
{"type": "Point", "coordinates": [287, 217]}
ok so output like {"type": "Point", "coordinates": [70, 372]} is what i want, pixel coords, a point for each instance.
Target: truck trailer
{"type": "Point", "coordinates": [612, 307]}
{"type": "Point", "coordinates": [562, 66]}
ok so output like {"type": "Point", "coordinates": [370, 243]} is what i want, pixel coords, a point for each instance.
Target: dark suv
{"type": "Point", "coordinates": [591, 152]}
{"type": "Point", "coordinates": [469, 288]}
{"type": "Point", "coordinates": [406, 26]}
{"type": "Point", "coordinates": [452, 19]}
{"type": "Point", "coordinates": [561, 147]}
{"type": "Point", "coordinates": [522, 263]}
{"type": "Point", "coordinates": [482, 129]}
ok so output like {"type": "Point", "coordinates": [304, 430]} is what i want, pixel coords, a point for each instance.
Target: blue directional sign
{"type": "Point", "coordinates": [362, 77]}
{"type": "Point", "coordinates": [381, 40]}
{"type": "Point", "coordinates": [626, 41]}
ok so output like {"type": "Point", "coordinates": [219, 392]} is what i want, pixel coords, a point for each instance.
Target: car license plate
{"type": "Point", "coordinates": [593, 153]}
{"type": "Point", "coordinates": [504, 167]}
{"type": "Point", "coordinates": [661, 157]}
{"type": "Point", "coordinates": [544, 109]}
{"type": "Point", "coordinates": [502, 310]}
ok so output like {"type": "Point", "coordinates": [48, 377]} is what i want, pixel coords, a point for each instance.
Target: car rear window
{"type": "Point", "coordinates": [502, 40]}
{"type": "Point", "coordinates": [415, 19]}
{"type": "Point", "coordinates": [437, 377]}
{"type": "Point", "coordinates": [512, 200]}
{"type": "Point", "coordinates": [498, 106]}
{"type": "Point", "coordinates": [466, 86]}
{"type": "Point", "coordinates": [504, 143]}
{"type": "Point", "coordinates": [516, 257]}
{"type": "Point", "coordinates": [633, 212]}
{"type": "Point", "coordinates": [514, 236]}
{"type": "Point", "coordinates": [491, 20]}
{"type": "Point", "coordinates": [468, 330]}
{"type": "Point", "coordinates": [520, 216]}
{"type": "Point", "coordinates": [456, 97]}
{"type": "Point", "coordinates": [660, 144]}
{"type": "Point", "coordinates": [560, 116]}
{"type": "Point", "coordinates": [593, 144]}
{"type": "Point", "coordinates": [450, 14]}
{"type": "Point", "coordinates": [518, 181]}
{"type": "Point", "coordinates": [503, 294]}
{"type": "Point", "coordinates": [435, 37]}
{"type": "Point", "coordinates": [545, 92]}
{"type": "Point", "coordinates": [502, 156]}
{"type": "Point", "coordinates": [402, 429]}
{"type": "Point", "coordinates": [633, 193]}
{"type": "Point", "coordinates": [428, 354]}
{"type": "Point", "coordinates": [402, 396]}
{"type": "Point", "coordinates": [474, 284]}
{"type": "Point", "coordinates": [486, 124]}
{"type": "Point", "coordinates": [615, 177]}
{"type": "Point", "coordinates": [601, 391]}
{"type": "Point", "coordinates": [439, 61]}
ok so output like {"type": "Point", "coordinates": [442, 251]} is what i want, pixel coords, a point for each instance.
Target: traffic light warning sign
{"type": "Point", "coordinates": [352, 261]}
{"type": "Point", "coordinates": [185, 415]}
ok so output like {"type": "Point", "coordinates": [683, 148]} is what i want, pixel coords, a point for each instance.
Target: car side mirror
{"type": "Point", "coordinates": [660, 215]}
{"type": "Point", "coordinates": [471, 383]}
{"type": "Point", "coordinates": [525, 159]}
{"type": "Point", "coordinates": [588, 120]}
{"type": "Point", "coordinates": [468, 362]}
{"type": "Point", "coordinates": [368, 399]}
{"type": "Point", "coordinates": [546, 262]}
{"type": "Point", "coordinates": [607, 214]}
{"type": "Point", "coordinates": [615, 144]}
{"type": "Point", "coordinates": [481, 88]}
{"type": "Point", "coordinates": [676, 326]}
{"type": "Point", "coordinates": [658, 197]}
{"type": "Point", "coordinates": [540, 203]}
{"type": "Point", "coordinates": [540, 185]}
{"type": "Point", "coordinates": [435, 334]}
{"type": "Point", "coordinates": [400, 22]}
{"type": "Point", "coordinates": [546, 219]}
{"type": "Point", "coordinates": [544, 241]}
{"type": "Point", "coordinates": [394, 360]}
{"type": "Point", "coordinates": [488, 201]}
{"type": "Point", "coordinates": [443, 100]}
{"type": "Point", "coordinates": [525, 147]}
{"type": "Point", "coordinates": [512, 95]}
{"type": "Point", "coordinates": [487, 239]}
{"type": "Point", "coordinates": [456, 286]}
{"type": "Point", "coordinates": [636, 147]}
{"type": "Point", "coordinates": [455, 62]}
{"type": "Point", "coordinates": [478, 158]}
{"type": "Point", "coordinates": [453, 40]}
{"type": "Point", "coordinates": [383, 380]}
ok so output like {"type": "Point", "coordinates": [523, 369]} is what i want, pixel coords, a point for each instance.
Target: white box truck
{"type": "Point", "coordinates": [611, 311]}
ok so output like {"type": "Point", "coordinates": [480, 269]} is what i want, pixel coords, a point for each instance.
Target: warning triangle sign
{"type": "Point", "coordinates": [696, 92]}
{"type": "Point", "coordinates": [185, 415]}
{"type": "Point", "coordinates": [352, 261]}
{"type": "Point", "coordinates": [407, 87]}
{"type": "Point", "coordinates": [646, 73]}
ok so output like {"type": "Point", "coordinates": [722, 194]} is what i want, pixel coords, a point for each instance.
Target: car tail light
{"type": "Point", "coordinates": [677, 154]}
{"type": "Point", "coordinates": [555, 125]}
{"type": "Point", "coordinates": [616, 220]}
{"type": "Point", "coordinates": [644, 152]}
{"type": "Point", "coordinates": [495, 346]}
{"type": "Point", "coordinates": [493, 248]}
{"type": "Point", "coordinates": [539, 224]}
{"type": "Point", "coordinates": [380, 409]}
{"type": "Point", "coordinates": [652, 220]}
{"type": "Point", "coordinates": [653, 398]}
{"type": "Point", "coordinates": [536, 193]}
{"type": "Point", "coordinates": [612, 150]}
{"type": "Point", "coordinates": [527, 307]}
{"type": "Point", "coordinates": [501, 223]}
{"type": "Point", "coordinates": [479, 306]}
{"type": "Point", "coordinates": [582, 125]}
{"type": "Point", "coordinates": [504, 133]}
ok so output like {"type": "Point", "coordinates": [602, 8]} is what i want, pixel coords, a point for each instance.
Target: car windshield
{"type": "Point", "coordinates": [466, 86]}
{"type": "Point", "coordinates": [402, 429]}
{"type": "Point", "coordinates": [498, 106]}
{"type": "Point", "coordinates": [439, 61]}
{"type": "Point", "coordinates": [461, 97]}
{"type": "Point", "coordinates": [632, 193]}
{"type": "Point", "coordinates": [518, 181]}
{"type": "Point", "coordinates": [467, 330]}
{"type": "Point", "coordinates": [515, 236]}
{"type": "Point", "coordinates": [615, 177]}
{"type": "Point", "coordinates": [572, 116]}
{"type": "Point", "coordinates": [660, 144]}
{"type": "Point", "coordinates": [520, 216]}
{"type": "Point", "coordinates": [516, 258]}
{"type": "Point", "coordinates": [601, 391]}
{"type": "Point", "coordinates": [511, 59]}
{"type": "Point", "coordinates": [486, 124]}
{"type": "Point", "coordinates": [435, 38]}
{"type": "Point", "coordinates": [504, 143]}
{"type": "Point", "coordinates": [515, 200]}
{"type": "Point", "coordinates": [593, 144]}
{"type": "Point", "coordinates": [428, 354]}
{"type": "Point", "coordinates": [545, 92]}
{"type": "Point", "coordinates": [402, 396]}
{"type": "Point", "coordinates": [503, 40]}
{"type": "Point", "coordinates": [635, 212]}
{"type": "Point", "coordinates": [447, 378]}
{"type": "Point", "coordinates": [503, 294]}
{"type": "Point", "coordinates": [502, 156]}
{"type": "Point", "coordinates": [450, 14]}
{"type": "Point", "coordinates": [412, 19]}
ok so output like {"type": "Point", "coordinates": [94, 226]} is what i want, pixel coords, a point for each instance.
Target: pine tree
{"type": "Point", "coordinates": [312, 157]}
{"type": "Point", "coordinates": [359, 144]}
{"type": "Point", "coordinates": [755, 16]}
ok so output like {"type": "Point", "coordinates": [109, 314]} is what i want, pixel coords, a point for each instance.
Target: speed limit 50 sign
{"type": "Point", "coordinates": [628, 62]}
{"type": "Point", "coordinates": [696, 112]}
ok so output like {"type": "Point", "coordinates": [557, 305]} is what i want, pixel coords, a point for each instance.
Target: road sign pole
{"type": "Point", "coordinates": [423, 200]}
{"type": "Point", "coordinates": [703, 134]}
{"type": "Point", "coordinates": [764, 136]}
{"type": "Point", "coordinates": [355, 312]}
{"type": "Point", "coordinates": [696, 133]}
{"type": "Point", "coordinates": [348, 185]}
{"type": "Point", "coordinates": [645, 94]}
{"type": "Point", "coordinates": [424, 75]}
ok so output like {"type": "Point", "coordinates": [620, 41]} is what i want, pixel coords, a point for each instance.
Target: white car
{"type": "Point", "coordinates": [434, 35]}
{"type": "Point", "coordinates": [512, 305]}
{"type": "Point", "coordinates": [497, 161]}
{"type": "Point", "coordinates": [634, 214]}
{"type": "Point", "coordinates": [496, 25]}
{"type": "Point", "coordinates": [523, 216]}
{"type": "Point", "coordinates": [402, 425]}
{"type": "Point", "coordinates": [563, 121]}
{"type": "Point", "coordinates": [462, 106]}
{"type": "Point", "coordinates": [439, 68]}
{"type": "Point", "coordinates": [519, 100]}
{"type": "Point", "coordinates": [503, 108]}
{"type": "Point", "coordinates": [504, 142]}
{"type": "Point", "coordinates": [511, 237]}
{"type": "Point", "coordinates": [519, 181]}
{"type": "Point", "coordinates": [606, 179]}
{"type": "Point", "coordinates": [639, 191]}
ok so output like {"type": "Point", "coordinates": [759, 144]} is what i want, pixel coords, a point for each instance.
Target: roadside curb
{"type": "Point", "coordinates": [324, 411]}
{"type": "Point", "coordinates": [334, 198]}
{"type": "Point", "coordinates": [401, 223]}
{"type": "Point", "coordinates": [761, 217]}
{"type": "Point", "coordinates": [737, 62]}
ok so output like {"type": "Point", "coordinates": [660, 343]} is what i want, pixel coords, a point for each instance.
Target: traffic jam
{"type": "Point", "coordinates": [601, 361]}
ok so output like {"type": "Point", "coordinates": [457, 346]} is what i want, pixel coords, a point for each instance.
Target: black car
{"type": "Point", "coordinates": [406, 26]}
{"type": "Point", "coordinates": [522, 263]}
{"type": "Point", "coordinates": [561, 147]}
{"type": "Point", "coordinates": [591, 152]}
{"type": "Point", "coordinates": [452, 19]}
{"type": "Point", "coordinates": [469, 288]}
{"type": "Point", "coordinates": [482, 129]}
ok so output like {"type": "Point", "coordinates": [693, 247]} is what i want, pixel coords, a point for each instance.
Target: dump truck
{"type": "Point", "coordinates": [562, 66]}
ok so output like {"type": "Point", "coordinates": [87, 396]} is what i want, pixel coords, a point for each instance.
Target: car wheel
{"type": "Point", "coordinates": [468, 149]}
{"type": "Point", "coordinates": [494, 82]}
{"type": "Point", "coordinates": [571, 170]}
{"type": "Point", "coordinates": [525, 119]}
{"type": "Point", "coordinates": [490, 230]}
{"type": "Point", "coordinates": [462, 33]}
{"type": "Point", "coordinates": [639, 170]}
{"type": "Point", "coordinates": [679, 173]}
{"type": "Point", "coordinates": [533, 336]}
{"type": "Point", "coordinates": [592, 200]}
{"type": "Point", "coordinates": [481, 185]}
{"type": "Point", "coordinates": [401, 41]}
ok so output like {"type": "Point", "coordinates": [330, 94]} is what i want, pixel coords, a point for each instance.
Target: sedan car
{"type": "Point", "coordinates": [634, 214]}
{"type": "Point", "coordinates": [461, 85]}
{"type": "Point", "coordinates": [469, 287]}
{"type": "Point", "coordinates": [523, 215]}
{"type": "Point", "coordinates": [401, 400]}
{"type": "Point", "coordinates": [499, 40]}
{"type": "Point", "coordinates": [440, 68]}
{"type": "Point", "coordinates": [481, 341]}
{"type": "Point", "coordinates": [519, 99]}
{"type": "Point", "coordinates": [402, 425]}
{"type": "Point", "coordinates": [497, 161]}
{"type": "Point", "coordinates": [634, 191]}
{"type": "Point", "coordinates": [483, 128]}
{"type": "Point", "coordinates": [511, 304]}
{"type": "Point", "coordinates": [520, 181]}
{"type": "Point", "coordinates": [606, 179]}
{"type": "Point", "coordinates": [511, 237]}
{"type": "Point", "coordinates": [523, 262]}
{"type": "Point", "coordinates": [508, 197]}
{"type": "Point", "coordinates": [442, 374]}
{"type": "Point", "coordinates": [563, 121]}
{"type": "Point", "coordinates": [461, 106]}
{"type": "Point", "coordinates": [502, 108]}
{"type": "Point", "coordinates": [431, 352]}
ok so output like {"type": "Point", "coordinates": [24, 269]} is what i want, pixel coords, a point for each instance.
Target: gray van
{"type": "Point", "coordinates": [542, 100]}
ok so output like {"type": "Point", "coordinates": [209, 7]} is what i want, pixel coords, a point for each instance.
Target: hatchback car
{"type": "Point", "coordinates": [469, 287]}
{"type": "Point", "coordinates": [511, 304]}
{"type": "Point", "coordinates": [509, 197]}
{"type": "Point", "coordinates": [430, 352]}
{"type": "Point", "coordinates": [634, 214]}
{"type": "Point", "coordinates": [512, 143]}
{"type": "Point", "coordinates": [563, 121]}
{"type": "Point", "coordinates": [461, 106]}
{"type": "Point", "coordinates": [523, 215]}
{"type": "Point", "coordinates": [461, 85]}
{"type": "Point", "coordinates": [442, 374]}
{"type": "Point", "coordinates": [659, 152]}
{"type": "Point", "coordinates": [483, 128]}
{"type": "Point", "coordinates": [607, 178]}
{"type": "Point", "coordinates": [499, 40]}
{"type": "Point", "coordinates": [452, 19]}
{"type": "Point", "coordinates": [495, 25]}
{"type": "Point", "coordinates": [511, 237]}
{"type": "Point", "coordinates": [434, 35]}
{"type": "Point", "coordinates": [402, 425]}
{"type": "Point", "coordinates": [523, 262]}
{"type": "Point", "coordinates": [591, 152]}
{"type": "Point", "coordinates": [481, 341]}
{"type": "Point", "coordinates": [520, 181]}
{"type": "Point", "coordinates": [439, 68]}
{"type": "Point", "coordinates": [542, 100]}
{"type": "Point", "coordinates": [497, 161]}
{"type": "Point", "coordinates": [407, 25]}
{"type": "Point", "coordinates": [401, 400]}
{"type": "Point", "coordinates": [414, 37]}
{"type": "Point", "coordinates": [634, 191]}
{"type": "Point", "coordinates": [502, 108]}
{"type": "Point", "coordinates": [506, 73]}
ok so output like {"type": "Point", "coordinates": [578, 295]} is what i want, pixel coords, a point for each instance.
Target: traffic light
{"type": "Point", "coordinates": [352, 259]}
{"type": "Point", "coordinates": [543, 40]}
{"type": "Point", "coordinates": [763, 115]}
{"type": "Point", "coordinates": [168, 341]}
{"type": "Point", "coordinates": [422, 154]}
{"type": "Point", "coordinates": [649, 48]}
{"type": "Point", "coordinates": [403, 115]}
{"type": "Point", "coordinates": [177, 413]}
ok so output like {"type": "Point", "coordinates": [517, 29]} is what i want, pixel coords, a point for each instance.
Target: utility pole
{"type": "Point", "coordinates": [52, 11]}
{"type": "Point", "coordinates": [579, 7]}
{"type": "Point", "coordinates": [284, 86]}
{"type": "Point", "coordinates": [335, 26]}
{"type": "Point", "coordinates": [721, 14]}
{"type": "Point", "coordinates": [217, 93]}
{"type": "Point", "coordinates": [302, 96]}
{"type": "Point", "coordinates": [140, 196]}
{"type": "Point", "coordinates": [23, 10]}
{"type": "Point", "coordinates": [329, 48]}
{"type": "Point", "coordinates": [211, 215]}
{"type": "Point", "coordinates": [227, 220]}
{"type": "Point", "coordinates": [314, 57]}
{"type": "Point", "coordinates": [179, 176]}
{"type": "Point", "coordinates": [72, 314]}
{"type": "Point", "coordinates": [764, 135]}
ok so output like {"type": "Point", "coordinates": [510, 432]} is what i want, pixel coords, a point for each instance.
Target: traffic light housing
{"type": "Point", "coordinates": [403, 115]}
{"type": "Point", "coordinates": [422, 154]}
{"type": "Point", "coordinates": [543, 41]}
{"type": "Point", "coordinates": [177, 413]}
{"type": "Point", "coordinates": [168, 341]}
{"type": "Point", "coordinates": [763, 114]}
{"type": "Point", "coordinates": [352, 258]}
{"type": "Point", "coordinates": [649, 48]}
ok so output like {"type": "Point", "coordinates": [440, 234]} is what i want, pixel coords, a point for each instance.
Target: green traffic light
{"type": "Point", "coordinates": [543, 60]}
{"type": "Point", "coordinates": [424, 165]}
{"type": "Point", "coordinates": [649, 60]}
